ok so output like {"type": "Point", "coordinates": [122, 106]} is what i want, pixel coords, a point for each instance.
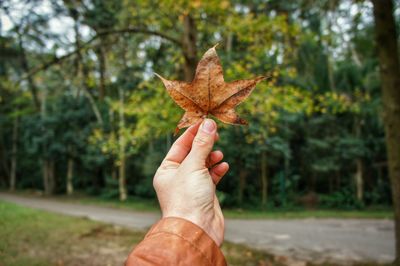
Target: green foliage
{"type": "Point", "coordinates": [343, 199]}
{"type": "Point", "coordinates": [110, 190]}
{"type": "Point", "coordinates": [313, 119]}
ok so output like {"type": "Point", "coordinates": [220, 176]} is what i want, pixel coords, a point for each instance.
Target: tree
{"type": "Point", "coordinates": [386, 41]}
{"type": "Point", "coordinates": [108, 121]}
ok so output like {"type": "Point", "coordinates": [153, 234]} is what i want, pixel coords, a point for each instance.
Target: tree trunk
{"type": "Point", "coordinates": [13, 173]}
{"type": "Point", "coordinates": [330, 72]}
{"type": "Point", "coordinates": [4, 160]}
{"type": "Point", "coordinates": [82, 70]}
{"type": "Point", "coordinates": [45, 169]}
{"type": "Point", "coordinates": [122, 149]}
{"type": "Point", "coordinates": [264, 179]}
{"type": "Point", "coordinates": [51, 175]}
{"type": "Point", "coordinates": [114, 172]}
{"type": "Point", "coordinates": [70, 173]}
{"type": "Point", "coordinates": [229, 45]}
{"type": "Point", "coordinates": [122, 179]}
{"type": "Point", "coordinates": [358, 176]}
{"type": "Point", "coordinates": [102, 70]}
{"type": "Point", "coordinates": [358, 180]}
{"type": "Point", "coordinates": [45, 161]}
{"type": "Point", "coordinates": [385, 30]}
{"type": "Point", "coordinates": [25, 66]}
{"type": "Point", "coordinates": [48, 176]}
{"type": "Point", "coordinates": [329, 61]}
{"type": "Point", "coordinates": [189, 47]}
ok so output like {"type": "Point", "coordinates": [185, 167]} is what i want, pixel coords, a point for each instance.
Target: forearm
{"type": "Point", "coordinates": [175, 241]}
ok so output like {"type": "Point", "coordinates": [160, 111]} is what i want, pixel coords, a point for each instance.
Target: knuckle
{"type": "Point", "coordinates": [167, 165]}
{"type": "Point", "coordinates": [203, 172]}
{"type": "Point", "coordinates": [156, 182]}
{"type": "Point", "coordinates": [201, 141]}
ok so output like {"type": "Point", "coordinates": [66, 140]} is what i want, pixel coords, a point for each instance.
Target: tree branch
{"type": "Point", "coordinates": [57, 60]}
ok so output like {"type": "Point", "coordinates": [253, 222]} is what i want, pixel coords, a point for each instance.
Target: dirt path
{"type": "Point", "coordinates": [317, 240]}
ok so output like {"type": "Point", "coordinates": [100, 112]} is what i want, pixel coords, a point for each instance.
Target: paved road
{"type": "Point", "coordinates": [319, 240]}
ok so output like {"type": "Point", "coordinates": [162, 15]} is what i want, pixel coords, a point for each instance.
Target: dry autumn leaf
{"type": "Point", "coordinates": [208, 93]}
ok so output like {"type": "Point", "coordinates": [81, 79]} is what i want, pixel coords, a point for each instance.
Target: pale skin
{"type": "Point", "coordinates": [186, 180]}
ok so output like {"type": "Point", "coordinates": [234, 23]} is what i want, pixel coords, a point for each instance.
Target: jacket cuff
{"type": "Point", "coordinates": [191, 233]}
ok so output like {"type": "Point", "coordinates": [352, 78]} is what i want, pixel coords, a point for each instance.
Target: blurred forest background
{"type": "Point", "coordinates": [81, 110]}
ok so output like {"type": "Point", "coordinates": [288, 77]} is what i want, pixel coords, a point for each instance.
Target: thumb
{"type": "Point", "coordinates": [203, 143]}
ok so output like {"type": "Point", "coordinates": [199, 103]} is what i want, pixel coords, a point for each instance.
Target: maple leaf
{"type": "Point", "coordinates": [209, 94]}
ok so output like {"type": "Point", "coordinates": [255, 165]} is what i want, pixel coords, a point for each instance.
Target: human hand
{"type": "Point", "coordinates": [186, 179]}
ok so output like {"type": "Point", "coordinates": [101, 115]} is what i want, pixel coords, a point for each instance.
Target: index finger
{"type": "Point", "coordinates": [182, 146]}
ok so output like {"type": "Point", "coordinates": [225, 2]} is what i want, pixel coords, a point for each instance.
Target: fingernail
{"type": "Point", "coordinates": [208, 126]}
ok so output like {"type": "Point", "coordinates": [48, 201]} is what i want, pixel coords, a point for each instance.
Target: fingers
{"type": "Point", "coordinates": [218, 171]}
{"type": "Point", "coordinates": [181, 147]}
{"type": "Point", "coordinates": [214, 158]}
{"type": "Point", "coordinates": [203, 143]}
{"type": "Point", "coordinates": [216, 137]}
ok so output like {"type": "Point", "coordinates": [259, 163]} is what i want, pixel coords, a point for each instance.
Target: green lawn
{"type": "Point", "coordinates": [34, 237]}
{"type": "Point", "coordinates": [302, 214]}
{"type": "Point", "coordinates": [38, 238]}
{"type": "Point", "coordinates": [146, 205]}
{"type": "Point", "coordinates": [299, 213]}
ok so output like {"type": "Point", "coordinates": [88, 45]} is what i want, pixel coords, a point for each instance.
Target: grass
{"type": "Point", "coordinates": [303, 214]}
{"type": "Point", "coordinates": [38, 238]}
{"type": "Point", "coordinates": [133, 203]}
{"type": "Point", "coordinates": [34, 237]}
{"type": "Point", "coordinates": [146, 205]}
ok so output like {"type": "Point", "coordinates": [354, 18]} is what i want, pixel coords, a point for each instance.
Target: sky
{"type": "Point", "coordinates": [59, 25]}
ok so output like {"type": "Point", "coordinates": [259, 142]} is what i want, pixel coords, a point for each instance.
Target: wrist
{"type": "Point", "coordinates": [212, 226]}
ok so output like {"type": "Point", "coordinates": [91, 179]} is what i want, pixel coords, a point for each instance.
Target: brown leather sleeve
{"type": "Point", "coordinates": [175, 241]}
